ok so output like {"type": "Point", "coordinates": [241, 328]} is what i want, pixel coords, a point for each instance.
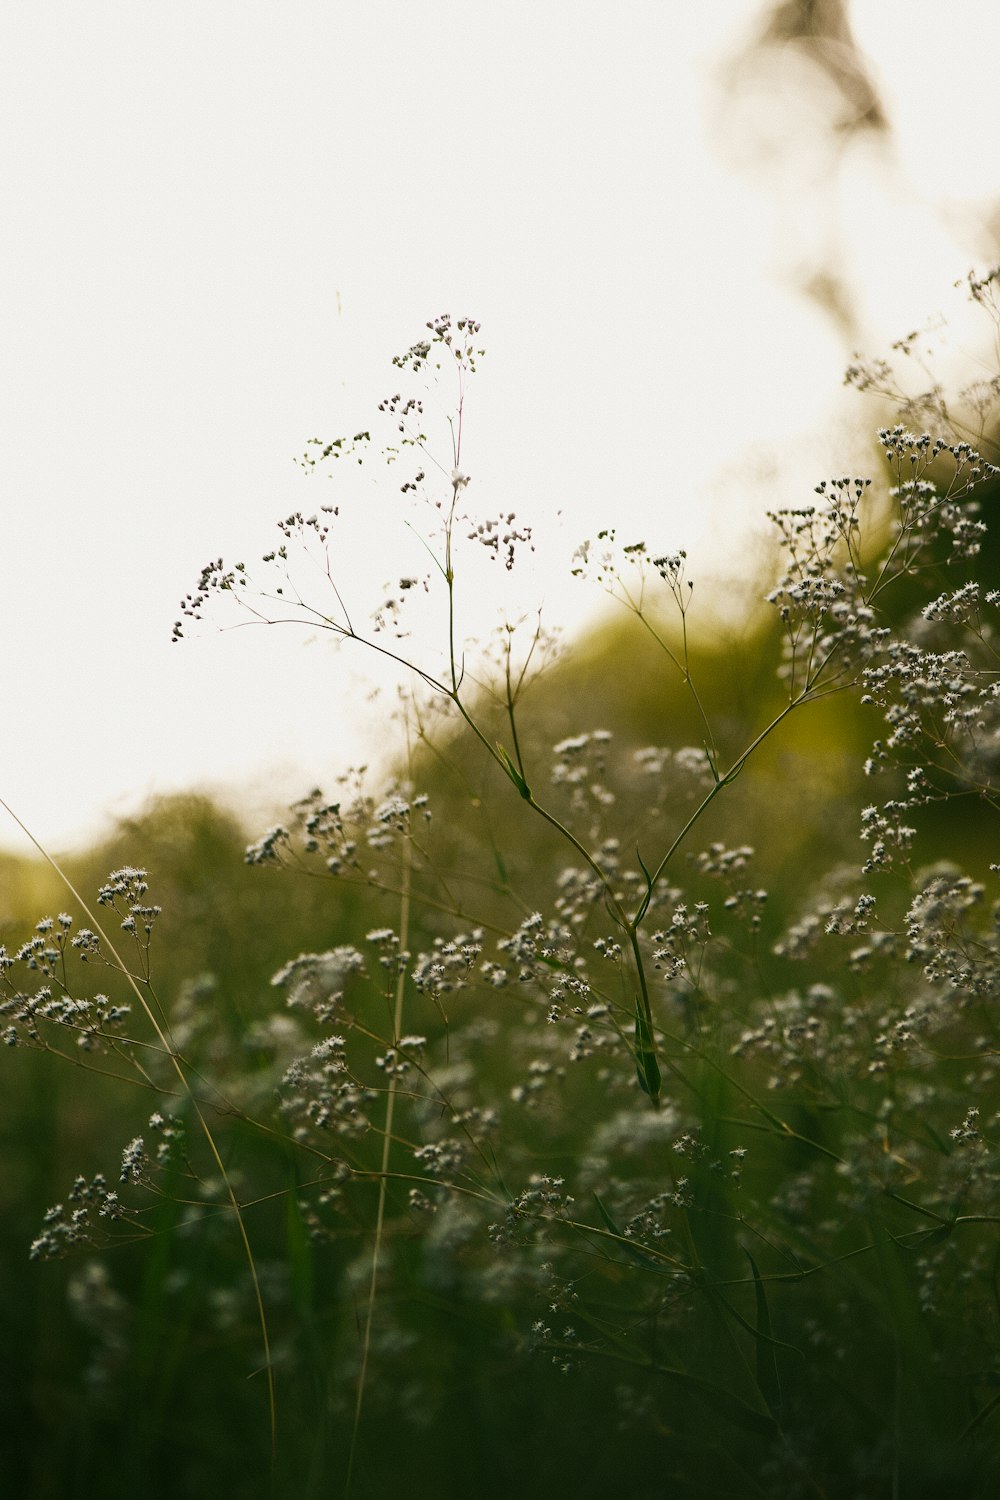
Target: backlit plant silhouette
{"type": "Point", "coordinates": [731, 1174]}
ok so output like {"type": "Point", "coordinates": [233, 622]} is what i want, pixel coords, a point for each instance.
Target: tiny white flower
{"type": "Point", "coordinates": [459, 479]}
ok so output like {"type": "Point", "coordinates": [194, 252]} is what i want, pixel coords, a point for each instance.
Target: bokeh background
{"type": "Point", "coordinates": [674, 222]}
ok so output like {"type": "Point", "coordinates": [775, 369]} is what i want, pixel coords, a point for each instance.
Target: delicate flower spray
{"type": "Point", "coordinates": [554, 1062]}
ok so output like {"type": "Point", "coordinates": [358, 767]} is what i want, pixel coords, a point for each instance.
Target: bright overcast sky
{"type": "Point", "coordinates": [222, 219]}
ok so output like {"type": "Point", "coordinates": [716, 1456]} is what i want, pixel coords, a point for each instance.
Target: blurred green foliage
{"type": "Point", "coordinates": [784, 1281]}
{"type": "Point", "coordinates": [149, 1387]}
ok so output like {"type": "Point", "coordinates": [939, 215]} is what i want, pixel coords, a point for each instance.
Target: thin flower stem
{"type": "Point", "coordinates": [390, 1107]}
{"type": "Point", "coordinates": [723, 781]}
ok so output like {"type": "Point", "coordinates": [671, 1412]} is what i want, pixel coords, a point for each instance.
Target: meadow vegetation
{"type": "Point", "coordinates": [607, 1103]}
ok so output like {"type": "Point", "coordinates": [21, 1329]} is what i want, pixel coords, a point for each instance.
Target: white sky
{"type": "Point", "coordinates": [223, 218]}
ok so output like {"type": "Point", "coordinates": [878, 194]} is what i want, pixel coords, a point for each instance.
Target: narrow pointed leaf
{"type": "Point", "coordinates": [646, 1067]}
{"type": "Point", "coordinates": [767, 1364]}
{"type": "Point", "coordinates": [609, 1222]}
{"type": "Point", "coordinates": [648, 1262]}
{"type": "Point", "coordinates": [649, 887]}
{"type": "Point", "coordinates": [733, 1408]}
{"type": "Point", "coordinates": [513, 772]}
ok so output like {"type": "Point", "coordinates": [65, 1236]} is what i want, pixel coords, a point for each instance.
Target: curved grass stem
{"type": "Point", "coordinates": [383, 1180]}
{"type": "Point", "coordinates": [169, 1050]}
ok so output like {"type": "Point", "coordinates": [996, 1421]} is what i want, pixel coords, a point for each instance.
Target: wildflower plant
{"type": "Point", "coordinates": [728, 1171]}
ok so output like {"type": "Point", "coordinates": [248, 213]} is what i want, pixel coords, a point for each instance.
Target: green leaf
{"type": "Point", "coordinates": [725, 1403]}
{"type": "Point", "coordinates": [649, 888]}
{"type": "Point", "coordinates": [646, 1067]}
{"type": "Point", "coordinates": [513, 772]}
{"type": "Point", "coordinates": [648, 1262]}
{"type": "Point", "coordinates": [981, 1416]}
{"type": "Point", "coordinates": [933, 1237]}
{"type": "Point", "coordinates": [609, 1222]}
{"type": "Point", "coordinates": [767, 1364]}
